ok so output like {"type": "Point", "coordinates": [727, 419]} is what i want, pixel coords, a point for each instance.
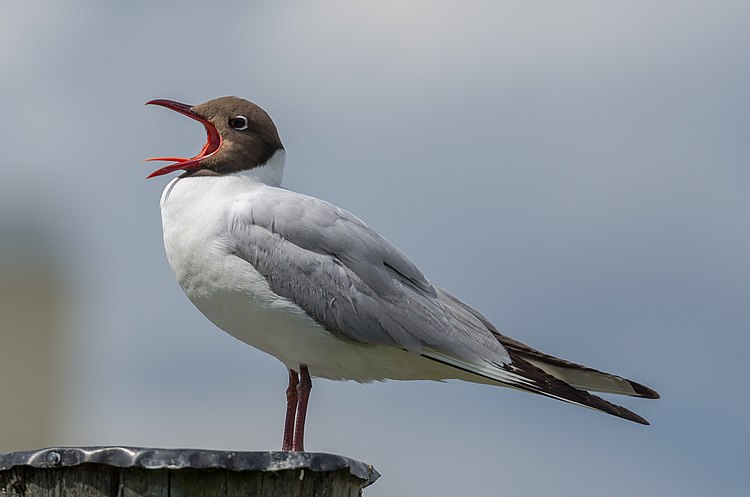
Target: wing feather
{"type": "Point", "coordinates": [577, 375]}
{"type": "Point", "coordinates": [350, 279]}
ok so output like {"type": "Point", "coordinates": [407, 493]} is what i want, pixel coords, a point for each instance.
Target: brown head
{"type": "Point", "coordinates": [240, 136]}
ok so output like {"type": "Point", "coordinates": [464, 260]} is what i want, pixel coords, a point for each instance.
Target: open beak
{"type": "Point", "coordinates": [213, 140]}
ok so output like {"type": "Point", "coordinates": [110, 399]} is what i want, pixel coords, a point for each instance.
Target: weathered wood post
{"type": "Point", "coordinates": [139, 472]}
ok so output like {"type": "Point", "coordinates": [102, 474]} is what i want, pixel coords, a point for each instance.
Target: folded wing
{"type": "Point", "coordinates": [361, 288]}
{"type": "Point", "coordinates": [351, 280]}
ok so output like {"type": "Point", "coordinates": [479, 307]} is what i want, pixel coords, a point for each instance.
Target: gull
{"type": "Point", "coordinates": [314, 286]}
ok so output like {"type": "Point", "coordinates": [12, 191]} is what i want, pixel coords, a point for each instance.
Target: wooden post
{"type": "Point", "coordinates": [139, 472]}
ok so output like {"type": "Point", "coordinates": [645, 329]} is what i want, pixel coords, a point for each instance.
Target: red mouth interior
{"type": "Point", "coordinates": [213, 140]}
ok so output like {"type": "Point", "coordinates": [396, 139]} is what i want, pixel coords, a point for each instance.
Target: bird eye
{"type": "Point", "coordinates": [238, 123]}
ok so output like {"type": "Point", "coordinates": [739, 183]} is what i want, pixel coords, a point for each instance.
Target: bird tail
{"type": "Point", "coordinates": [581, 377]}
{"type": "Point", "coordinates": [523, 375]}
{"type": "Point", "coordinates": [534, 371]}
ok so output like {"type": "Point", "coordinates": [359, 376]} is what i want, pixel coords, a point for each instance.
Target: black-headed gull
{"type": "Point", "coordinates": [314, 286]}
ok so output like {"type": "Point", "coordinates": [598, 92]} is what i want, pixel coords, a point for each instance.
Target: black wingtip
{"type": "Point", "coordinates": [595, 402]}
{"type": "Point", "coordinates": [550, 386]}
{"type": "Point", "coordinates": [644, 391]}
{"type": "Point", "coordinates": [623, 413]}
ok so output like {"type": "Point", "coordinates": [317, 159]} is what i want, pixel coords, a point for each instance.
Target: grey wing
{"type": "Point", "coordinates": [361, 288]}
{"type": "Point", "coordinates": [351, 280]}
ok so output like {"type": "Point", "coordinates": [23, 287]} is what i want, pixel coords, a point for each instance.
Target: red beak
{"type": "Point", "coordinates": [213, 140]}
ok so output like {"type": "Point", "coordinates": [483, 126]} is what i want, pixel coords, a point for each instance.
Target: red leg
{"type": "Point", "coordinates": [291, 410]}
{"type": "Point", "coordinates": [303, 390]}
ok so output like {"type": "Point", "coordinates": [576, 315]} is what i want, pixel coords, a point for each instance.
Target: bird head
{"type": "Point", "coordinates": [239, 136]}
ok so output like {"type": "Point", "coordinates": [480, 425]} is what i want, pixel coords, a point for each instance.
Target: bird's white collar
{"type": "Point", "coordinates": [271, 173]}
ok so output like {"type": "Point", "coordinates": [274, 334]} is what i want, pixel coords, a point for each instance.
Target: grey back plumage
{"type": "Point", "coordinates": [351, 280]}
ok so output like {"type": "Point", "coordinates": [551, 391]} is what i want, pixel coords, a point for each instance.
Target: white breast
{"type": "Point", "coordinates": [234, 296]}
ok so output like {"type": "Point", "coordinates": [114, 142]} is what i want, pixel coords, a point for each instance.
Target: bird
{"type": "Point", "coordinates": [314, 286]}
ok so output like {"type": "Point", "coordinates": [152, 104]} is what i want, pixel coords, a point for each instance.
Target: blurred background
{"type": "Point", "coordinates": [578, 171]}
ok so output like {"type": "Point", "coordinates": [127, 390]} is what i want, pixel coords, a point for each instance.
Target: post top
{"type": "Point", "coordinates": [153, 458]}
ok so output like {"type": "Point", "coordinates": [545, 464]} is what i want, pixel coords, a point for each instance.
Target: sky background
{"type": "Point", "coordinates": [578, 171]}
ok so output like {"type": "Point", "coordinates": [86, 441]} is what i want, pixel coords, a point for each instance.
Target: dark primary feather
{"type": "Point", "coordinates": [582, 377]}
{"type": "Point", "coordinates": [524, 376]}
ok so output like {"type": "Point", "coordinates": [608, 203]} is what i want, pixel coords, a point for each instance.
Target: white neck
{"type": "Point", "coordinates": [271, 173]}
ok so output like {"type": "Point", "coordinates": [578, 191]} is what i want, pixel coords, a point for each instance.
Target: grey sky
{"type": "Point", "coordinates": [578, 171]}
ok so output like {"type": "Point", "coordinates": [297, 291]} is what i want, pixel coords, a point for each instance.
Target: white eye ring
{"type": "Point", "coordinates": [239, 123]}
